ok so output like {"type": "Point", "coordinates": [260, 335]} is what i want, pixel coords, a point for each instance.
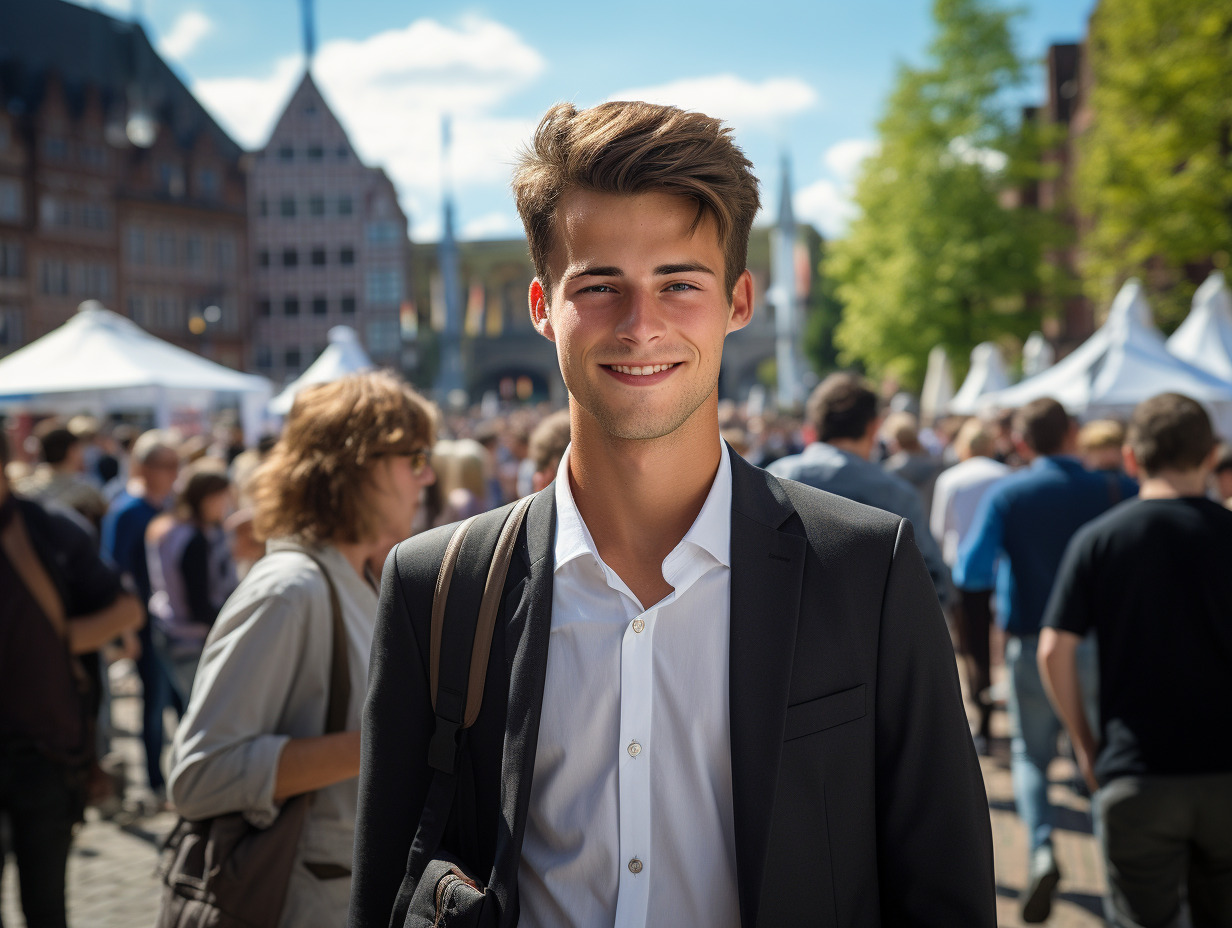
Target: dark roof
{"type": "Point", "coordinates": [85, 47]}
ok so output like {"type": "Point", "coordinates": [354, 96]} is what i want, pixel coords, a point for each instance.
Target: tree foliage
{"type": "Point", "coordinates": [935, 256]}
{"type": "Point", "coordinates": [1155, 169]}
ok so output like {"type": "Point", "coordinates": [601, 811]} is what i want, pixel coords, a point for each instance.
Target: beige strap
{"type": "Point", "coordinates": [488, 608]}
{"type": "Point", "coordinates": [439, 597]}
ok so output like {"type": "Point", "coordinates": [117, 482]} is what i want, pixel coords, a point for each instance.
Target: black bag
{"type": "Point", "coordinates": [224, 872]}
{"type": "Point", "coordinates": [439, 890]}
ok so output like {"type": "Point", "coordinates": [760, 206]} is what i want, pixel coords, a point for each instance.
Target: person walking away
{"type": "Point", "coordinates": [338, 490]}
{"type": "Point", "coordinates": [1018, 535]}
{"type": "Point", "coordinates": [956, 496]}
{"type": "Point", "coordinates": [191, 573]}
{"type": "Point", "coordinates": [60, 601]}
{"type": "Point", "coordinates": [909, 458]}
{"type": "Point", "coordinates": [153, 468]}
{"type": "Point", "coordinates": [1151, 579]}
{"type": "Point", "coordinates": [843, 414]}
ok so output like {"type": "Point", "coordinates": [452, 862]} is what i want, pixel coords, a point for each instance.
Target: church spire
{"type": "Point", "coordinates": [310, 32]}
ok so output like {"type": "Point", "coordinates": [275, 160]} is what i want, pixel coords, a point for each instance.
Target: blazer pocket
{"type": "Point", "coordinates": [807, 718]}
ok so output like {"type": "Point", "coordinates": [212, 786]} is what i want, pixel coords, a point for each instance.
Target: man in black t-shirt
{"type": "Point", "coordinates": [1151, 577]}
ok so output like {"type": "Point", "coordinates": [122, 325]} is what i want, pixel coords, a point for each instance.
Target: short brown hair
{"type": "Point", "coordinates": [202, 483]}
{"type": "Point", "coordinates": [316, 482]}
{"type": "Point", "coordinates": [1170, 432]}
{"type": "Point", "coordinates": [630, 148]}
{"type": "Point", "coordinates": [1101, 433]}
{"type": "Point", "coordinates": [1043, 425]}
{"type": "Point", "coordinates": [841, 406]}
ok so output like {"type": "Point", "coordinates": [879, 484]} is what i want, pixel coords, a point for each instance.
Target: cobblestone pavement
{"type": "Point", "coordinates": [112, 882]}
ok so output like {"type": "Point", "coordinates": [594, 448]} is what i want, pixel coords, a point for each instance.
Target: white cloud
{"type": "Point", "coordinates": [492, 226]}
{"type": "Point", "coordinates": [827, 205]}
{"type": "Point", "coordinates": [185, 35]}
{"type": "Point", "coordinates": [844, 158]}
{"type": "Point", "coordinates": [391, 89]}
{"type": "Point", "coordinates": [730, 98]}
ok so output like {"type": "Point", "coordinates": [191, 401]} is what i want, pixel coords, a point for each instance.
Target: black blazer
{"type": "Point", "coordinates": [858, 796]}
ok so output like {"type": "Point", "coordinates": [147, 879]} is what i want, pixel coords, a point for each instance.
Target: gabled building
{"type": "Point", "coordinates": [329, 242]}
{"type": "Point", "coordinates": [115, 185]}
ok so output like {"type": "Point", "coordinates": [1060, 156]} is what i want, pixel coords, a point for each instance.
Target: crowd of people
{"type": "Point", "coordinates": [193, 532]}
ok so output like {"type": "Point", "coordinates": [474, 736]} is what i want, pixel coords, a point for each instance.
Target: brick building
{"type": "Point", "coordinates": [328, 242]}
{"type": "Point", "coordinates": [115, 185]}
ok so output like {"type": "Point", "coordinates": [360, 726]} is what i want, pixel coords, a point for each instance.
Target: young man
{"type": "Point", "coordinates": [1151, 579]}
{"type": "Point", "coordinates": [1017, 538]}
{"type": "Point", "coordinates": [714, 697]}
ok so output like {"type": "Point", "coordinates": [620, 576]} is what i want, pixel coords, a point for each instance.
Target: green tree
{"type": "Point", "coordinates": [939, 254]}
{"type": "Point", "coordinates": [1155, 171]}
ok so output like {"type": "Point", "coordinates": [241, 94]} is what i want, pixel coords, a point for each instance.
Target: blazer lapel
{"type": "Point", "coordinates": [766, 576]}
{"type": "Point", "coordinates": [528, 623]}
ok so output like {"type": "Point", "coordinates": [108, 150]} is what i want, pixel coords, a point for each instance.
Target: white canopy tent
{"type": "Point", "coordinates": [1122, 364]}
{"type": "Point", "coordinates": [100, 362]}
{"type": "Point", "coordinates": [343, 355]}
{"type": "Point", "coordinates": [987, 375]}
{"type": "Point", "coordinates": [1205, 337]}
{"type": "Point", "coordinates": [938, 385]}
{"type": "Point", "coordinates": [1037, 355]}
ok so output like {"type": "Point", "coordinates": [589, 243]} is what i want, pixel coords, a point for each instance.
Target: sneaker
{"type": "Point", "coordinates": [1042, 879]}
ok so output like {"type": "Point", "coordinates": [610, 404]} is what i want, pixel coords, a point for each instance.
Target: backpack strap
{"type": "Point", "coordinates": [463, 624]}
{"type": "Point", "coordinates": [339, 674]}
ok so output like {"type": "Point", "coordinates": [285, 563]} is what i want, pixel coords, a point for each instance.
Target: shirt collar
{"type": "Point", "coordinates": [710, 531]}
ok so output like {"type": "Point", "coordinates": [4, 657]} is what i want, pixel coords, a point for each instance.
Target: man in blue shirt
{"type": "Point", "coordinates": [1016, 541]}
{"type": "Point", "coordinates": [153, 468]}
{"type": "Point", "coordinates": [843, 413]}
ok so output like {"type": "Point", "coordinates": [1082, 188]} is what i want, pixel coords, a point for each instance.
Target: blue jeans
{"type": "Point", "coordinates": [1034, 728]}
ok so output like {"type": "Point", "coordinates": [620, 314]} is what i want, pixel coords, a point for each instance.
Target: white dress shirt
{"type": "Point", "coordinates": [956, 495]}
{"type": "Point", "coordinates": [631, 820]}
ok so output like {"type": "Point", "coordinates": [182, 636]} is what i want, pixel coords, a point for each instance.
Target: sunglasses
{"type": "Point", "coordinates": [421, 459]}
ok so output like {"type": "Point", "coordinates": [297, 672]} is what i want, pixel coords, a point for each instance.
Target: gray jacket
{"type": "Point", "coordinates": [263, 680]}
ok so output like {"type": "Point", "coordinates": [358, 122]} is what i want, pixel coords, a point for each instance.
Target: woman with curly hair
{"type": "Point", "coordinates": [337, 492]}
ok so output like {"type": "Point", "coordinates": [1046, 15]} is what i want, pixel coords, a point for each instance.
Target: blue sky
{"type": "Point", "coordinates": [808, 78]}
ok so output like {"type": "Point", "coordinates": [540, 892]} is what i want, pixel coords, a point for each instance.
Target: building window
{"type": "Point", "coordinates": [55, 148]}
{"type": "Point", "coordinates": [11, 260]}
{"type": "Point", "coordinates": [53, 278]}
{"type": "Point", "coordinates": [12, 207]}
{"type": "Point", "coordinates": [383, 287]}
{"type": "Point", "coordinates": [347, 305]}
{"type": "Point", "coordinates": [316, 206]}
{"type": "Point", "coordinates": [171, 178]}
{"type": "Point", "coordinates": [315, 153]}
{"type": "Point", "coordinates": [263, 258]}
{"type": "Point", "coordinates": [382, 233]}
{"type": "Point", "coordinates": [225, 250]}
{"type": "Point", "coordinates": [194, 252]}
{"type": "Point", "coordinates": [55, 213]}
{"type": "Point", "coordinates": [344, 206]}
{"type": "Point", "coordinates": [263, 307]}
{"type": "Point", "coordinates": [310, 109]}
{"type": "Point", "coordinates": [320, 306]}
{"type": "Point", "coordinates": [343, 153]}
{"type": "Point", "coordinates": [164, 247]}
{"type": "Point", "coordinates": [10, 327]}
{"type": "Point", "coordinates": [290, 359]}
{"type": "Point", "coordinates": [286, 153]}
{"type": "Point", "coordinates": [286, 207]}
{"type": "Point", "coordinates": [382, 336]}
{"type": "Point", "coordinates": [290, 306]}
{"type": "Point", "coordinates": [167, 314]}
{"type": "Point", "coordinates": [290, 257]}
{"type": "Point", "coordinates": [263, 207]}
{"type": "Point", "coordinates": [318, 257]}
{"type": "Point", "coordinates": [207, 184]}
{"type": "Point", "coordinates": [94, 281]}
{"type": "Point", "coordinates": [92, 156]}
{"type": "Point", "coordinates": [95, 216]}
{"type": "Point", "coordinates": [136, 310]}
{"type": "Point", "coordinates": [265, 359]}
{"type": "Point", "coordinates": [135, 241]}
{"type": "Point", "coordinates": [346, 256]}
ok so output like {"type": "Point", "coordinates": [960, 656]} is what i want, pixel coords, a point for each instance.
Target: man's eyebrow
{"type": "Point", "coordinates": [689, 267]}
{"type": "Point", "coordinates": [594, 272]}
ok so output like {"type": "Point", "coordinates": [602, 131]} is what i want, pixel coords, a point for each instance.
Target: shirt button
{"type": "Point", "coordinates": [634, 749]}
{"type": "Point", "coordinates": [638, 626]}
{"type": "Point", "coordinates": [635, 866]}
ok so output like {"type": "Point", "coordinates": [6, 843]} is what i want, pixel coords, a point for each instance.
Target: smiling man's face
{"type": "Point", "coordinates": [638, 310]}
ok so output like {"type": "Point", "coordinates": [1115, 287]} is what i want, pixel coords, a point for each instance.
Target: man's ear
{"type": "Point", "coordinates": [539, 310]}
{"type": "Point", "coordinates": [741, 303]}
{"type": "Point", "coordinates": [1131, 461]}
